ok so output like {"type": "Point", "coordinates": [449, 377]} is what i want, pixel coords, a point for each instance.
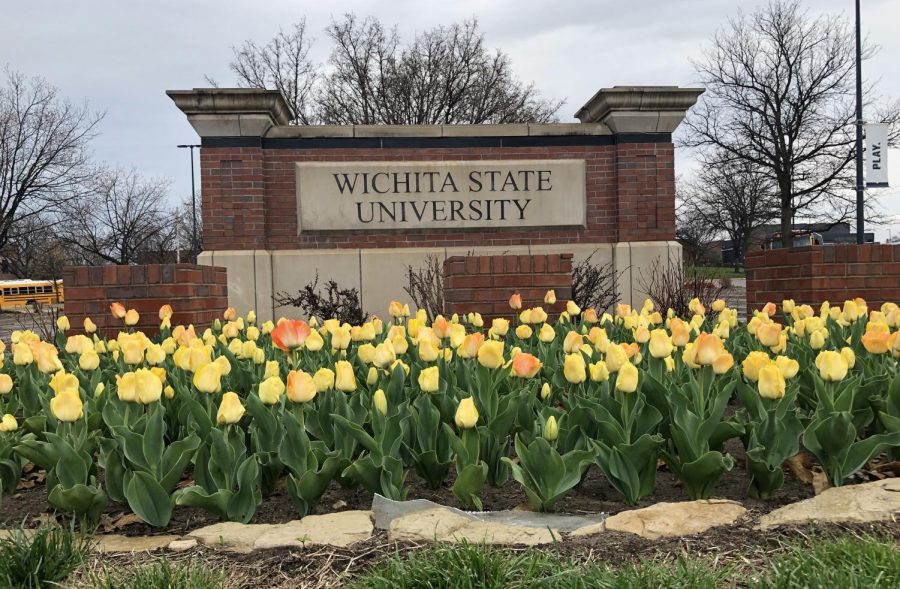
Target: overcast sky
{"type": "Point", "coordinates": [121, 56]}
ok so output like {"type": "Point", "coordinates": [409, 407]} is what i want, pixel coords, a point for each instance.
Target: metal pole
{"type": "Point", "coordinates": [860, 204]}
{"type": "Point", "coordinates": [193, 208]}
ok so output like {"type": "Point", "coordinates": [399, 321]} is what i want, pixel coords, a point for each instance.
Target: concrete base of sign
{"type": "Point", "coordinates": [254, 276]}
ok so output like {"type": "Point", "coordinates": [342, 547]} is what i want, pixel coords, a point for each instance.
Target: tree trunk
{"type": "Point", "coordinates": [787, 225]}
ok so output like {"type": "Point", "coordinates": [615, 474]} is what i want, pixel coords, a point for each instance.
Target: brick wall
{"type": "Point", "coordinates": [198, 294]}
{"type": "Point", "coordinates": [484, 284]}
{"type": "Point", "coordinates": [250, 202]}
{"type": "Point", "coordinates": [815, 274]}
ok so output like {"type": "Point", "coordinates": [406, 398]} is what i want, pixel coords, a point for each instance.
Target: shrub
{"type": "Point", "coordinates": [33, 559]}
{"type": "Point", "coordinates": [425, 286]}
{"type": "Point", "coordinates": [332, 301]}
{"type": "Point", "coordinates": [595, 285]}
{"type": "Point", "coordinates": [671, 284]}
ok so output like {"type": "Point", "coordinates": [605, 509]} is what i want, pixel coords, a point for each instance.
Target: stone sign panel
{"type": "Point", "coordinates": [338, 196]}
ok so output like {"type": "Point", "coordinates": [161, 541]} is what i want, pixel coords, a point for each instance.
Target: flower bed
{"type": "Point", "coordinates": [556, 412]}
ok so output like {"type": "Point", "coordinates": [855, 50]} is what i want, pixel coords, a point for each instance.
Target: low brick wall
{"type": "Point", "coordinates": [484, 284]}
{"type": "Point", "coordinates": [198, 294]}
{"type": "Point", "coordinates": [827, 272]}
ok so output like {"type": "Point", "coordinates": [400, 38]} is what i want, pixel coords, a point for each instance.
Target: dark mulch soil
{"type": "Point", "coordinates": [595, 495]}
{"type": "Point", "coordinates": [327, 567]}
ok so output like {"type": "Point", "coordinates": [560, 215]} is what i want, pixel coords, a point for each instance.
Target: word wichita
{"type": "Point", "coordinates": [505, 194]}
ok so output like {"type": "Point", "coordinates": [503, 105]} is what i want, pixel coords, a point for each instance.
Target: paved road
{"type": "Point", "coordinates": [13, 320]}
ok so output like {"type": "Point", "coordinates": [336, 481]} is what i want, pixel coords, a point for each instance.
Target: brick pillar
{"type": "Point", "coordinates": [198, 294]}
{"type": "Point", "coordinates": [645, 175]}
{"type": "Point", "coordinates": [233, 198]}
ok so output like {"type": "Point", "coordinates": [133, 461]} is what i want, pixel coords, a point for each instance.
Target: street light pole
{"type": "Point", "coordinates": [860, 204]}
{"type": "Point", "coordinates": [193, 200]}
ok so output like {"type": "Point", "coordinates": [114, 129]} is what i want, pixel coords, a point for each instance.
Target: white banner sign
{"type": "Point", "coordinates": [876, 155]}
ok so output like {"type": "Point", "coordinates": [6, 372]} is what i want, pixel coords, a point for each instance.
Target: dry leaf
{"type": "Point", "coordinates": [339, 504]}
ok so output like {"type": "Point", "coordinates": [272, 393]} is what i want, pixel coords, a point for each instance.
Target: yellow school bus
{"type": "Point", "coordinates": [16, 294]}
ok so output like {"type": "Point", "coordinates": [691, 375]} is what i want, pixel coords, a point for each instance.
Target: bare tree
{"type": "Point", "coordinates": [282, 64]}
{"type": "Point", "coordinates": [44, 159]}
{"type": "Point", "coordinates": [121, 216]}
{"type": "Point", "coordinates": [444, 75]}
{"type": "Point", "coordinates": [780, 97]}
{"type": "Point", "coordinates": [425, 285]}
{"type": "Point", "coordinates": [729, 197]}
{"type": "Point", "coordinates": [35, 250]}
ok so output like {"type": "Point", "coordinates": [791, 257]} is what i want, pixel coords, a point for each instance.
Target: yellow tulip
{"type": "Point", "coordinates": [574, 368]}
{"type": "Point", "coordinates": [6, 384]}
{"type": "Point", "coordinates": [817, 339]}
{"type": "Point", "coordinates": [384, 354]}
{"type": "Point", "coordinates": [550, 297]}
{"type": "Point", "coordinates": [723, 363]}
{"type": "Point", "coordinates": [849, 356]}
{"type": "Point", "coordinates": [268, 326]}
{"type": "Point", "coordinates": [132, 352]}
{"type": "Point", "coordinates": [63, 381]}
{"type": "Point", "coordinates": [490, 354]}
{"type": "Point", "coordinates": [9, 423]}
{"type": "Point", "coordinates": [89, 360]}
{"type": "Point", "coordinates": [67, 406]}
{"type": "Point", "coordinates": [771, 382]}
{"type": "Point", "coordinates": [148, 386]}
{"type": "Point", "coordinates": [155, 355]}
{"type": "Point", "coordinates": [270, 390]}
{"type": "Point", "coordinates": [524, 332]}
{"type": "Point", "coordinates": [500, 326]}
{"type": "Point", "coordinates": [62, 323]}
{"type": "Point", "coordinates": [466, 414]}
{"type": "Point", "coordinates": [301, 387]}
{"type": "Point", "coordinates": [788, 366]}
{"type": "Point", "coordinates": [572, 308]}
{"type": "Point", "coordinates": [627, 379]}
{"type": "Point", "coordinates": [708, 347]}
{"type": "Point", "coordinates": [47, 358]}
{"type": "Point", "coordinates": [769, 334]}
{"type": "Point", "coordinates": [366, 353]}
{"type": "Point", "coordinates": [547, 334]}
{"type": "Point", "coordinates": [89, 326]}
{"type": "Point", "coordinates": [551, 429]}
{"type": "Point", "coordinates": [314, 341]}
{"type": "Point", "coordinates": [340, 339]}
{"type": "Point", "coordinates": [660, 344]}
{"type": "Point", "coordinates": [379, 401]}
{"type": "Point", "coordinates": [428, 351]}
{"type": "Point", "coordinates": [208, 379]}
{"type": "Point", "coordinates": [753, 363]}
{"type": "Point", "coordinates": [345, 379]}
{"type": "Point", "coordinates": [230, 409]}
{"type": "Point", "coordinates": [429, 380]}
{"type": "Point", "coordinates": [616, 357]}
{"type": "Point", "coordinates": [670, 363]}
{"type": "Point", "coordinates": [131, 317]}
{"type": "Point", "coordinates": [572, 342]}
{"type": "Point", "coordinates": [599, 371]}
{"type": "Point", "coordinates": [832, 366]}
{"type": "Point", "coordinates": [324, 379]}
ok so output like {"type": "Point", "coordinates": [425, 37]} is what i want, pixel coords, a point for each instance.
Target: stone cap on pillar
{"type": "Point", "coordinates": [232, 112]}
{"type": "Point", "coordinates": [639, 109]}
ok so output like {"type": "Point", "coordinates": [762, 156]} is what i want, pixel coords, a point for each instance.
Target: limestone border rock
{"type": "Point", "coordinates": [667, 520]}
{"type": "Point", "coordinates": [445, 525]}
{"type": "Point", "coordinates": [868, 502]}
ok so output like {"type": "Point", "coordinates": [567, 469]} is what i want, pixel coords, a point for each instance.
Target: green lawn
{"type": "Point", "coordinates": [718, 271]}
{"type": "Point", "coordinates": [846, 562]}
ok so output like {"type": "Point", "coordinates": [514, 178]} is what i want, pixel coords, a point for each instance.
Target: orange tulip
{"type": "Point", "coordinates": [165, 312]}
{"type": "Point", "coordinates": [525, 365]}
{"type": "Point", "coordinates": [118, 310]}
{"type": "Point", "coordinates": [515, 302]}
{"type": "Point", "coordinates": [470, 346]}
{"type": "Point", "coordinates": [290, 334]}
{"type": "Point", "coordinates": [876, 341]}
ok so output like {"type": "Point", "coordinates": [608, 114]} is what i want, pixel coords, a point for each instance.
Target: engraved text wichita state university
{"type": "Point", "coordinates": [428, 196]}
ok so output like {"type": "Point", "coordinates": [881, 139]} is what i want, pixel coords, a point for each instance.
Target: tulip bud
{"type": "Point", "coordinates": [6, 384]}
{"type": "Point", "coordinates": [551, 429]}
{"type": "Point", "coordinates": [372, 376]}
{"type": "Point", "coordinates": [429, 380]}
{"type": "Point", "coordinates": [8, 423]}
{"type": "Point", "coordinates": [545, 390]}
{"type": "Point", "coordinates": [379, 401]}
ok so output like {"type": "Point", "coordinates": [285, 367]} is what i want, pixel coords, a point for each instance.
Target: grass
{"type": "Point", "coordinates": [845, 562]}
{"type": "Point", "coordinates": [40, 558]}
{"type": "Point", "coordinates": [848, 562]}
{"type": "Point", "coordinates": [472, 566]}
{"type": "Point", "coordinates": [161, 574]}
{"type": "Point", "coordinates": [718, 271]}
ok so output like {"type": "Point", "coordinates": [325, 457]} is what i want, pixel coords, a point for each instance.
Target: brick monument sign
{"type": "Point", "coordinates": [361, 203]}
